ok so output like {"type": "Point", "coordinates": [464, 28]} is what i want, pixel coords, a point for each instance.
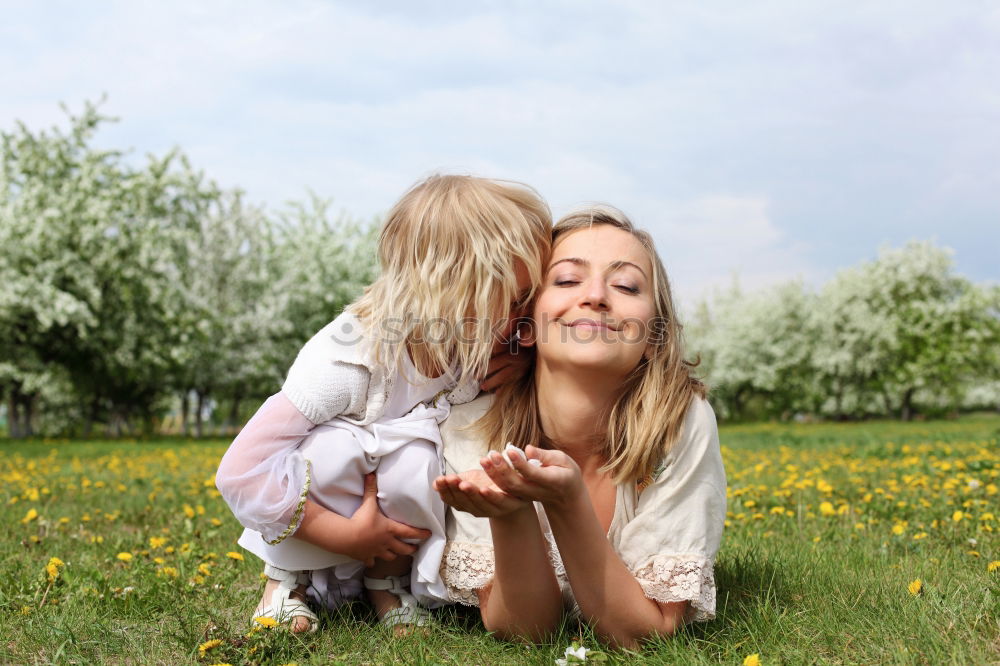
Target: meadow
{"type": "Point", "coordinates": [845, 543]}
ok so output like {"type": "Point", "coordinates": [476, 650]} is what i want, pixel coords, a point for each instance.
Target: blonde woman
{"type": "Point", "coordinates": [621, 457]}
{"type": "Point", "coordinates": [332, 476]}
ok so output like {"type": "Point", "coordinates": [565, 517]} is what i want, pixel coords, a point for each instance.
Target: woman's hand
{"type": "Point", "coordinates": [557, 480]}
{"type": "Point", "coordinates": [474, 492]}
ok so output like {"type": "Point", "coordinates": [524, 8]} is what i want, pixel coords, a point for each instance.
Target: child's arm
{"type": "Point", "coordinates": [261, 477]}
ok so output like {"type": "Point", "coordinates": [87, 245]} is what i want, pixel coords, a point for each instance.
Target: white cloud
{"type": "Point", "coordinates": [772, 140]}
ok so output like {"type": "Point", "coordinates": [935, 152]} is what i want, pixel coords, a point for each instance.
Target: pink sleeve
{"type": "Point", "coordinates": [262, 477]}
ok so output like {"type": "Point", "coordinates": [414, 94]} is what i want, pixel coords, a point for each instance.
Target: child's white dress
{"type": "Point", "coordinates": [382, 423]}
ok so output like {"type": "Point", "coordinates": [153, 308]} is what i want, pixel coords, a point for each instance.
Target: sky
{"type": "Point", "coordinates": [762, 141]}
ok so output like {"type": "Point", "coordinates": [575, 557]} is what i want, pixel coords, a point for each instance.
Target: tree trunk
{"type": "Point", "coordinates": [200, 405]}
{"type": "Point", "coordinates": [234, 415]}
{"type": "Point", "coordinates": [185, 407]}
{"type": "Point", "coordinates": [28, 414]}
{"type": "Point", "coordinates": [13, 424]}
{"type": "Point", "coordinates": [906, 410]}
{"type": "Point", "coordinates": [88, 425]}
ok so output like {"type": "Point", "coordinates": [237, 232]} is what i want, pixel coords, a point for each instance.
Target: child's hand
{"type": "Point", "coordinates": [374, 535]}
{"type": "Point", "coordinates": [474, 492]}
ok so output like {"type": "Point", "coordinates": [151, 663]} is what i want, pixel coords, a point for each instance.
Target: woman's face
{"type": "Point", "coordinates": [596, 306]}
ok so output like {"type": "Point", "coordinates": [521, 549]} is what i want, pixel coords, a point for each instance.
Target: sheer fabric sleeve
{"type": "Point", "coordinates": [671, 543]}
{"type": "Point", "coordinates": [467, 564]}
{"type": "Point", "coordinates": [262, 477]}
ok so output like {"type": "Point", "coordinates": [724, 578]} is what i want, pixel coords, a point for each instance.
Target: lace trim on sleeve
{"type": "Point", "coordinates": [299, 509]}
{"type": "Point", "coordinates": [671, 578]}
{"type": "Point", "coordinates": [465, 568]}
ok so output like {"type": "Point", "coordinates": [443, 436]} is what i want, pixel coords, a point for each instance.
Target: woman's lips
{"type": "Point", "coordinates": [590, 323]}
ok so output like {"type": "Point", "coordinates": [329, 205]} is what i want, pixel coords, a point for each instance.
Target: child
{"type": "Point", "coordinates": [364, 396]}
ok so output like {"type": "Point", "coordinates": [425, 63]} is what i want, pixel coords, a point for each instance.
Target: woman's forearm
{"type": "Point", "coordinates": [610, 598]}
{"type": "Point", "coordinates": [524, 599]}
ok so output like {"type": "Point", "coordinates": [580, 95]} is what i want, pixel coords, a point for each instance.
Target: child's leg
{"type": "Point", "coordinates": [407, 496]}
{"type": "Point", "coordinates": [337, 470]}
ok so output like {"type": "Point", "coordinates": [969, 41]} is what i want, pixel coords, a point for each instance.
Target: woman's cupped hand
{"type": "Point", "coordinates": [502, 488]}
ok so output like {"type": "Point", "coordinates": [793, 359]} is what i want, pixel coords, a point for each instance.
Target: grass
{"type": "Point", "coordinates": [828, 526]}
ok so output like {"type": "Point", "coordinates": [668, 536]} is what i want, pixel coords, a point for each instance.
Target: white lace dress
{"type": "Point", "coordinates": [666, 533]}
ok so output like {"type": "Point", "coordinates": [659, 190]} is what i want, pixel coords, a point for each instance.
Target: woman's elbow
{"type": "Point", "coordinates": [632, 635]}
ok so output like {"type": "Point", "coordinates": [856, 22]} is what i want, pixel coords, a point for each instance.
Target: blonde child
{"type": "Point", "coordinates": [332, 476]}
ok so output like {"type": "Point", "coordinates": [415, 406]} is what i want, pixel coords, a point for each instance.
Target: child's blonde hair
{"type": "Point", "coordinates": [448, 253]}
{"type": "Point", "coordinates": [648, 415]}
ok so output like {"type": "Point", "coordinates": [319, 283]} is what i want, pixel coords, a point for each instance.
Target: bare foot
{"type": "Point", "coordinates": [297, 624]}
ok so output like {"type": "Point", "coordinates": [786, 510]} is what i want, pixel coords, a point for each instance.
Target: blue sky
{"type": "Point", "coordinates": [769, 140]}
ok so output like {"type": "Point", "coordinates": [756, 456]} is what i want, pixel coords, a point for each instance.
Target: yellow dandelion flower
{"type": "Point", "coordinates": [124, 557]}
{"type": "Point", "coordinates": [204, 569]}
{"type": "Point", "coordinates": [993, 566]}
{"type": "Point", "coordinates": [168, 572]}
{"type": "Point", "coordinates": [157, 542]}
{"type": "Point", "coordinates": [974, 553]}
{"type": "Point", "coordinates": [898, 528]}
{"type": "Point", "coordinates": [56, 561]}
{"type": "Point", "coordinates": [30, 516]}
{"type": "Point", "coordinates": [159, 560]}
{"type": "Point", "coordinates": [188, 511]}
{"type": "Point", "coordinates": [208, 645]}
{"type": "Point", "coordinates": [752, 660]}
{"type": "Point", "coordinates": [266, 622]}
{"type": "Point", "coordinates": [25, 610]}
{"type": "Point", "coordinates": [235, 556]}
{"type": "Point", "coordinates": [52, 571]}
{"type": "Point", "coordinates": [215, 521]}
{"type": "Point", "coordinates": [957, 516]}
{"type": "Point", "coordinates": [826, 509]}
{"type": "Point", "coordinates": [919, 536]}
{"type": "Point", "coordinates": [915, 587]}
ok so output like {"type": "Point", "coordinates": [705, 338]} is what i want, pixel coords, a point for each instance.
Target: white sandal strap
{"type": "Point", "coordinates": [392, 584]}
{"type": "Point", "coordinates": [409, 612]}
{"type": "Point", "coordinates": [288, 580]}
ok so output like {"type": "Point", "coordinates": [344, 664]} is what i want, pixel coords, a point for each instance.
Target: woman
{"type": "Point", "coordinates": [623, 450]}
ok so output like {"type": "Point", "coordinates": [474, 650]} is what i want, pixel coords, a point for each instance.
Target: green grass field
{"type": "Point", "coordinates": [123, 552]}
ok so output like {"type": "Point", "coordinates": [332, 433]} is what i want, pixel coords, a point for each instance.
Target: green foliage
{"type": "Point", "coordinates": [892, 336]}
{"type": "Point", "coordinates": [128, 286]}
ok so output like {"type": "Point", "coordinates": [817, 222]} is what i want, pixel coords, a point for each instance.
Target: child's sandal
{"type": "Point", "coordinates": [283, 608]}
{"type": "Point", "coordinates": [410, 612]}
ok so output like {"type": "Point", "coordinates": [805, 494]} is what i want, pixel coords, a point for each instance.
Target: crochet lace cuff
{"type": "Point", "coordinates": [299, 509]}
{"type": "Point", "coordinates": [465, 568]}
{"type": "Point", "coordinates": [672, 578]}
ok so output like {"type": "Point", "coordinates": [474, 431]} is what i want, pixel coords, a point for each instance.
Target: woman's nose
{"type": "Point", "coordinates": [595, 294]}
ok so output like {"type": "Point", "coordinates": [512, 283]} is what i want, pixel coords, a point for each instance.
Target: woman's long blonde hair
{"type": "Point", "coordinates": [448, 252]}
{"type": "Point", "coordinates": [648, 416]}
